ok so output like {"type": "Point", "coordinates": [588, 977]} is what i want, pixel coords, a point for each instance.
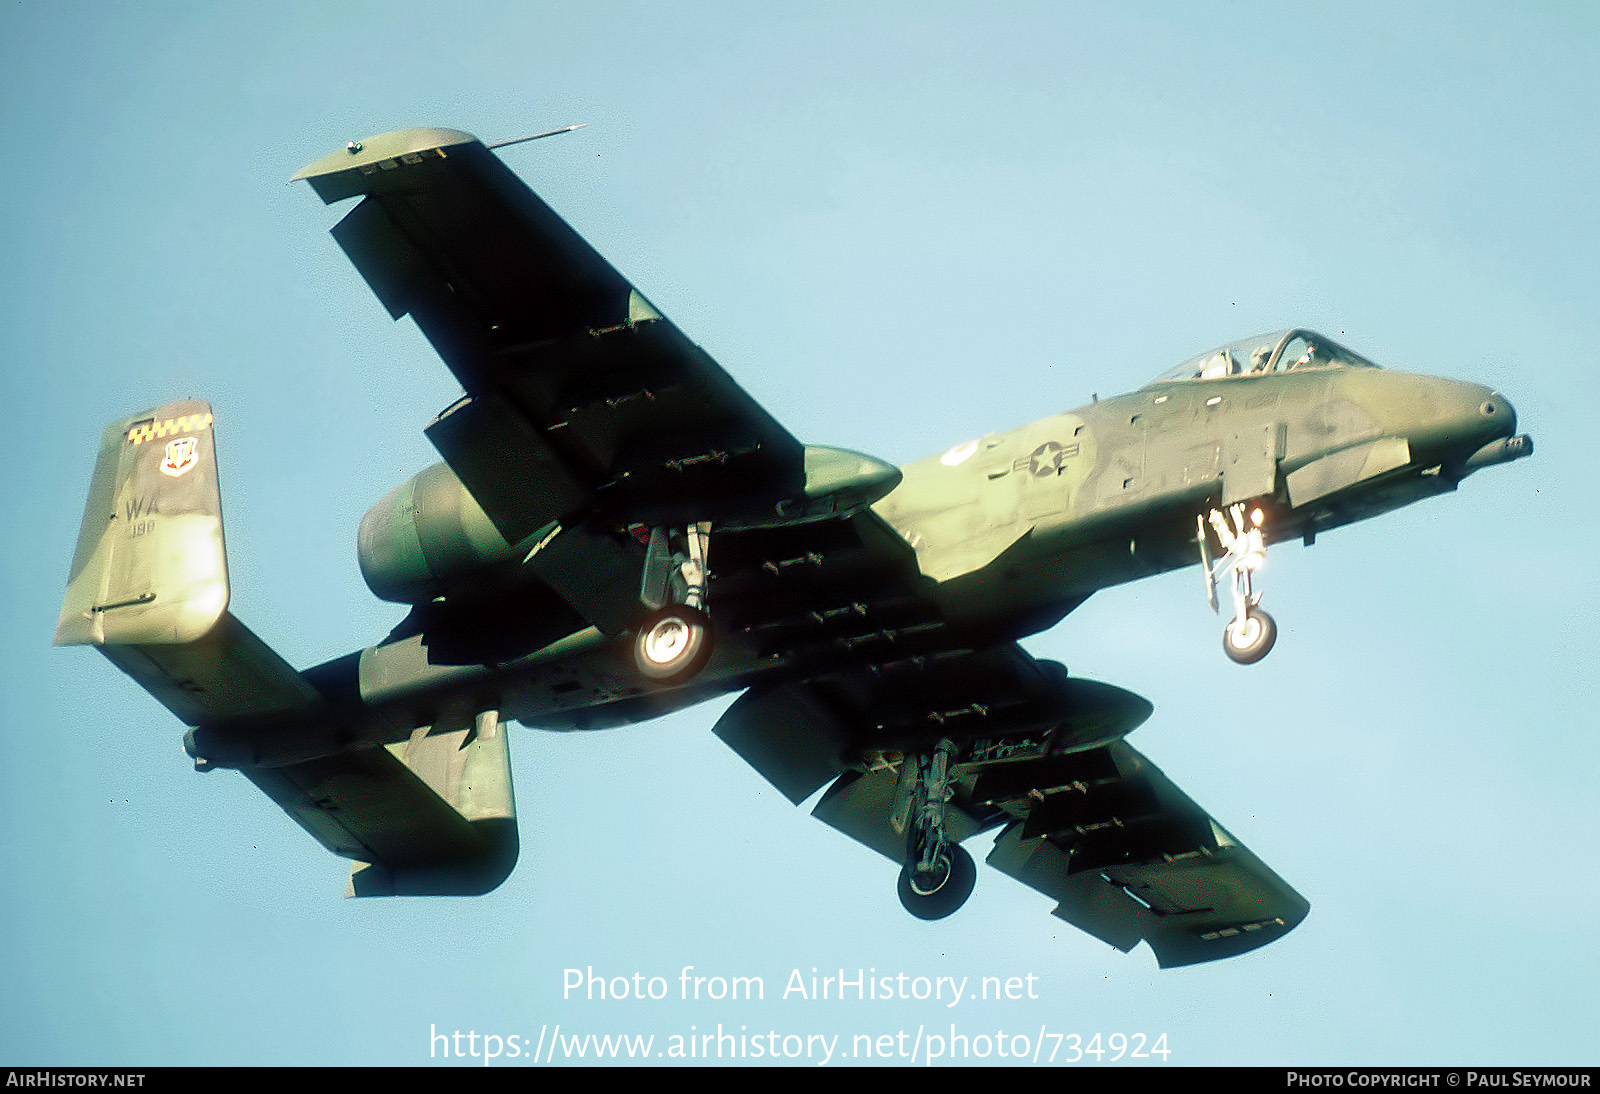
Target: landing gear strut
{"type": "Point", "coordinates": [938, 875]}
{"type": "Point", "coordinates": [674, 641]}
{"type": "Point", "coordinates": [1251, 633]}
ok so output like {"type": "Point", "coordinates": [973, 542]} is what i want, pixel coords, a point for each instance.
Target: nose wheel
{"type": "Point", "coordinates": [1249, 640]}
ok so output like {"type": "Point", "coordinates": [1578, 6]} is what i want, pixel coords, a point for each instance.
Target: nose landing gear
{"type": "Point", "coordinates": [1250, 634]}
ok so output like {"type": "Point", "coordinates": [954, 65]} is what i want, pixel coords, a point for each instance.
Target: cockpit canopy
{"type": "Point", "coordinates": [1280, 351]}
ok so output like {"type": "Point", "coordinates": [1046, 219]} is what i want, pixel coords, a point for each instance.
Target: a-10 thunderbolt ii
{"type": "Point", "coordinates": [617, 530]}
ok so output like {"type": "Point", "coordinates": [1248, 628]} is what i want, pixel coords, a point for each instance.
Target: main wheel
{"type": "Point", "coordinates": [947, 890]}
{"type": "Point", "coordinates": [672, 644]}
{"type": "Point", "coordinates": [1249, 642]}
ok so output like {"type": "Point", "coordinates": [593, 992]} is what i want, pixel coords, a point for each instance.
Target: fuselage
{"type": "Point", "coordinates": [1010, 531]}
{"type": "Point", "coordinates": [1052, 511]}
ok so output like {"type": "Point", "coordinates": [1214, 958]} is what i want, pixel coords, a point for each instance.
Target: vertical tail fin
{"type": "Point", "coordinates": [149, 580]}
{"type": "Point", "coordinates": [150, 568]}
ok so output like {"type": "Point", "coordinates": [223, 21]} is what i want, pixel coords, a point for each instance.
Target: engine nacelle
{"type": "Point", "coordinates": [424, 535]}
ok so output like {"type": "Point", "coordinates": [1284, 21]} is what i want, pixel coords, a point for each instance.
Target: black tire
{"type": "Point", "coordinates": [951, 892]}
{"type": "Point", "coordinates": [672, 644]}
{"type": "Point", "coordinates": [1253, 641]}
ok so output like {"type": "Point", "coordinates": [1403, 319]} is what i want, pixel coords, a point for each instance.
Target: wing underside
{"type": "Point", "coordinates": [1081, 816]}
{"type": "Point", "coordinates": [1129, 858]}
{"type": "Point", "coordinates": [580, 397]}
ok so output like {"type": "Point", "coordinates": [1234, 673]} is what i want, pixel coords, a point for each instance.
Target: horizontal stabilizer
{"type": "Point", "coordinates": [430, 816]}
{"type": "Point", "coordinates": [225, 675]}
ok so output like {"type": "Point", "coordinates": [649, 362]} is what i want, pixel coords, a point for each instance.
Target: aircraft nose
{"type": "Point", "coordinates": [1497, 410]}
{"type": "Point", "coordinates": [1444, 421]}
{"type": "Point", "coordinates": [1504, 443]}
{"type": "Point", "coordinates": [1463, 417]}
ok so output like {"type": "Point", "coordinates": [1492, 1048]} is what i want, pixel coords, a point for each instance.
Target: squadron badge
{"type": "Point", "coordinates": [181, 456]}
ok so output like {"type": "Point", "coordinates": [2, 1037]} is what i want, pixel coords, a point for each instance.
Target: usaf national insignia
{"type": "Point", "coordinates": [180, 456]}
{"type": "Point", "coordinates": [1046, 459]}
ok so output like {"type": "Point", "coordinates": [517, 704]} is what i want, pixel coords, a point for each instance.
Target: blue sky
{"type": "Point", "coordinates": [898, 226]}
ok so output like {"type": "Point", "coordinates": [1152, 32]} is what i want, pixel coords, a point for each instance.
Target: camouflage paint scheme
{"type": "Point", "coordinates": [608, 494]}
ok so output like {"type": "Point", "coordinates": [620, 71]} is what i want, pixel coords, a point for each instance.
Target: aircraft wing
{"type": "Point", "coordinates": [580, 397]}
{"type": "Point", "coordinates": [1130, 857]}
{"type": "Point", "coordinates": [1083, 817]}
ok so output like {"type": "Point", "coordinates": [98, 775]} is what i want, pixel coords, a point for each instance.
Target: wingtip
{"type": "Point", "coordinates": [369, 151]}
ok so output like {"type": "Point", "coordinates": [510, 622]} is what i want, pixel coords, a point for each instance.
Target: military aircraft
{"type": "Point", "coordinates": [618, 530]}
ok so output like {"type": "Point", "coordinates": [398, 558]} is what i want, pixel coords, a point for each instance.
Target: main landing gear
{"type": "Point", "coordinates": [673, 644]}
{"type": "Point", "coordinates": [674, 641]}
{"type": "Point", "coordinates": [938, 875]}
{"type": "Point", "coordinates": [1251, 633]}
